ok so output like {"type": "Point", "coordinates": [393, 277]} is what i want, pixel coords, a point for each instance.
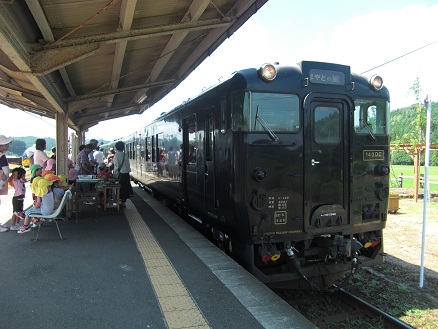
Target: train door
{"type": "Point", "coordinates": [209, 175]}
{"type": "Point", "coordinates": [190, 159]}
{"type": "Point", "coordinates": [326, 163]}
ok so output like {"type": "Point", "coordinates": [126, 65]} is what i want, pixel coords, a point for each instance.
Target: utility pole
{"type": "Point", "coordinates": [428, 103]}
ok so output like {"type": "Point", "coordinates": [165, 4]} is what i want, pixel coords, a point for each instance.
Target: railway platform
{"type": "Point", "coordinates": [140, 267]}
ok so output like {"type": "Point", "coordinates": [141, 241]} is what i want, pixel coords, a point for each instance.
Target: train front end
{"type": "Point", "coordinates": [315, 166]}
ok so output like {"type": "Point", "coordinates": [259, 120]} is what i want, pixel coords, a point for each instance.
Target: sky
{"type": "Point", "coordinates": [396, 39]}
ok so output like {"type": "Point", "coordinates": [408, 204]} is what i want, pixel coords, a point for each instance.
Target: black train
{"type": "Point", "coordinates": [287, 166]}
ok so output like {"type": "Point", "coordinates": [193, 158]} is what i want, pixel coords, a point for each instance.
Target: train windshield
{"type": "Point", "coordinates": [266, 112]}
{"type": "Point", "coordinates": [371, 116]}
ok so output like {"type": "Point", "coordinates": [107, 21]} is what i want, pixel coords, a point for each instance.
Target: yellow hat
{"type": "Point", "coordinates": [63, 181]}
{"type": "Point", "coordinates": [52, 178]}
{"type": "Point", "coordinates": [39, 186]}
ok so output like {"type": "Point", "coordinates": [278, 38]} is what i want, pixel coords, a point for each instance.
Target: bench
{"type": "Point", "coordinates": [52, 217]}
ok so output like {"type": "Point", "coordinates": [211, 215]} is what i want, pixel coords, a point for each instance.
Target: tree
{"type": "Point", "coordinates": [418, 134]}
{"type": "Point", "coordinates": [17, 147]}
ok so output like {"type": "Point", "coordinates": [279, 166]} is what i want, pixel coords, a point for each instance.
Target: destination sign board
{"type": "Point", "coordinates": [327, 77]}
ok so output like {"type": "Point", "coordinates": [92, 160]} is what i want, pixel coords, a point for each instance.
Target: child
{"type": "Point", "coordinates": [35, 171]}
{"type": "Point", "coordinates": [72, 173]}
{"type": "Point", "coordinates": [63, 182]}
{"type": "Point", "coordinates": [103, 171]}
{"type": "Point", "coordinates": [44, 204]}
{"type": "Point", "coordinates": [17, 181]}
{"type": "Point", "coordinates": [58, 191]}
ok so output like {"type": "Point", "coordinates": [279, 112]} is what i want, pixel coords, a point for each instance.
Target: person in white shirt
{"type": "Point", "coordinates": [98, 155]}
{"type": "Point", "coordinates": [93, 162]}
{"type": "Point", "coordinates": [40, 157]}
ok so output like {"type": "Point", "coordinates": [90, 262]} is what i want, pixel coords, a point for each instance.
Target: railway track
{"type": "Point", "coordinates": [346, 306]}
{"type": "Point", "coordinates": [353, 308]}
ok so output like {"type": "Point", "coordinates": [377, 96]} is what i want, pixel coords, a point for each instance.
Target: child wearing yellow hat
{"type": "Point", "coordinates": [44, 204]}
{"type": "Point", "coordinates": [36, 170]}
{"type": "Point", "coordinates": [58, 191]}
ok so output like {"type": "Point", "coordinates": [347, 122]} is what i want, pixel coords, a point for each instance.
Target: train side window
{"type": "Point", "coordinates": [209, 137]}
{"type": "Point", "coordinates": [224, 115]}
{"type": "Point", "coordinates": [153, 149]}
{"type": "Point", "coordinates": [148, 148]}
{"type": "Point", "coordinates": [327, 125]}
{"type": "Point", "coordinates": [142, 143]}
{"type": "Point", "coordinates": [192, 146]}
{"type": "Point", "coordinates": [239, 111]}
{"type": "Point", "coordinates": [370, 116]}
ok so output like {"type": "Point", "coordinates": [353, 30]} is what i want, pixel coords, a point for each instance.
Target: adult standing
{"type": "Point", "coordinates": [4, 168]}
{"type": "Point", "coordinates": [93, 162]}
{"type": "Point", "coordinates": [98, 156]}
{"type": "Point", "coordinates": [40, 157]}
{"type": "Point", "coordinates": [121, 171]}
{"type": "Point", "coordinates": [82, 162]}
{"type": "Point", "coordinates": [83, 165]}
{"type": "Point", "coordinates": [53, 156]}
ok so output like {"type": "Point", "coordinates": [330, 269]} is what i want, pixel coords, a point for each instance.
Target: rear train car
{"type": "Point", "coordinates": [286, 165]}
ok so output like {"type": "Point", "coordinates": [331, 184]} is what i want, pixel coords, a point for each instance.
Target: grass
{"type": "Point", "coordinates": [397, 298]}
{"type": "Point", "coordinates": [408, 174]}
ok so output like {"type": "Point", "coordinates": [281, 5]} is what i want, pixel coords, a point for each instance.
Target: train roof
{"type": "Point", "coordinates": [250, 78]}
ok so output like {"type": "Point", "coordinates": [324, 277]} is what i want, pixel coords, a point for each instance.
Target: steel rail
{"type": "Point", "coordinates": [389, 321]}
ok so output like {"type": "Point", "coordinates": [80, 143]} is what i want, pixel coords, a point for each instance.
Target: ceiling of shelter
{"type": "Point", "coordinates": [96, 60]}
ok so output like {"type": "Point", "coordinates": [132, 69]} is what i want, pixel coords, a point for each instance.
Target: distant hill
{"type": "Point", "coordinates": [30, 140]}
{"type": "Point", "coordinates": [19, 144]}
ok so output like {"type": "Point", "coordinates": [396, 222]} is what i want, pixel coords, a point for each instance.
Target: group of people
{"type": "Point", "coordinates": [48, 187]}
{"type": "Point", "coordinates": [116, 165]}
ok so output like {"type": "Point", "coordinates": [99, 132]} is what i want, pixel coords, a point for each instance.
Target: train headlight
{"type": "Point", "coordinates": [381, 170]}
{"type": "Point", "coordinates": [376, 82]}
{"type": "Point", "coordinates": [267, 72]}
{"type": "Point", "coordinates": [258, 174]}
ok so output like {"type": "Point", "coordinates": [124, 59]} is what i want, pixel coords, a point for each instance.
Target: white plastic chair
{"type": "Point", "coordinates": [52, 217]}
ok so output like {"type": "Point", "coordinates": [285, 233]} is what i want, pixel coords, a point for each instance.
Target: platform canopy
{"type": "Point", "coordinates": [95, 60]}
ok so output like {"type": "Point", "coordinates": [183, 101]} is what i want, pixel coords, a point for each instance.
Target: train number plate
{"type": "Point", "coordinates": [280, 217]}
{"type": "Point", "coordinates": [369, 155]}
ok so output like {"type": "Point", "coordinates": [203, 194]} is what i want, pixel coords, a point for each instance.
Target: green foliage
{"type": "Point", "coordinates": [19, 144]}
{"type": "Point", "coordinates": [17, 147]}
{"type": "Point", "coordinates": [401, 157]}
{"type": "Point", "coordinates": [408, 176]}
{"type": "Point", "coordinates": [408, 126]}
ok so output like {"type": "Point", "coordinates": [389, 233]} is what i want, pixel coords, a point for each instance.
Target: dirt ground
{"type": "Point", "coordinates": [403, 236]}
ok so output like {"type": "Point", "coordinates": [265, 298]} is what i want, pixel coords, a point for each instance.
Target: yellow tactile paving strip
{"type": "Point", "coordinates": [178, 307]}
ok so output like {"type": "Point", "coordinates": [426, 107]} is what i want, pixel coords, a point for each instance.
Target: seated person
{"type": "Point", "coordinates": [58, 191]}
{"type": "Point", "coordinates": [44, 204]}
{"type": "Point", "coordinates": [103, 171]}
